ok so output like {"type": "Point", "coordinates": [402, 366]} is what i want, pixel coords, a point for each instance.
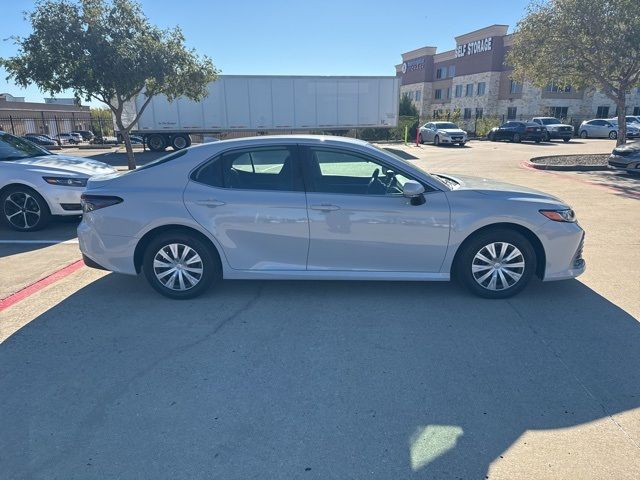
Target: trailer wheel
{"type": "Point", "coordinates": [180, 142]}
{"type": "Point", "coordinates": [156, 143]}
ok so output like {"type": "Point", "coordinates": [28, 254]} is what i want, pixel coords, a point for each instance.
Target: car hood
{"type": "Point", "coordinates": [65, 164]}
{"type": "Point", "coordinates": [557, 125]}
{"type": "Point", "coordinates": [487, 186]}
{"type": "Point", "coordinates": [627, 150]}
{"type": "Point", "coordinates": [454, 131]}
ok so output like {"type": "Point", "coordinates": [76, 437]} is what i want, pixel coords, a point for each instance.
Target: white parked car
{"type": "Point", "coordinates": [69, 137]}
{"type": "Point", "coordinates": [36, 184]}
{"type": "Point", "coordinates": [601, 128]}
{"type": "Point", "coordinates": [442, 132]}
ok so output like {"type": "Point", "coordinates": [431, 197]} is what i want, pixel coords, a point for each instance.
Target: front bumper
{"type": "Point", "coordinates": [623, 163]}
{"type": "Point", "coordinates": [560, 134]}
{"type": "Point", "coordinates": [454, 139]}
{"type": "Point", "coordinates": [563, 244]}
{"type": "Point", "coordinates": [62, 200]}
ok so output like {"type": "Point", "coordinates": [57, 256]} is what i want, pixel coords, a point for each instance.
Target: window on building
{"type": "Point", "coordinates": [511, 113]}
{"type": "Point", "coordinates": [409, 94]}
{"type": "Point", "coordinates": [439, 113]}
{"type": "Point", "coordinates": [441, 72]}
{"type": "Point", "coordinates": [602, 112]}
{"type": "Point", "coordinates": [636, 111]}
{"type": "Point", "coordinates": [449, 92]}
{"type": "Point", "coordinates": [438, 94]}
{"type": "Point", "coordinates": [515, 87]}
{"type": "Point", "coordinates": [458, 91]}
{"type": "Point", "coordinates": [467, 113]}
{"type": "Point", "coordinates": [481, 88]}
{"type": "Point", "coordinates": [469, 91]}
{"type": "Point", "coordinates": [418, 95]}
{"type": "Point", "coordinates": [558, 112]}
{"type": "Point", "coordinates": [452, 71]}
{"type": "Point", "coordinates": [479, 112]}
{"type": "Point", "coordinates": [553, 87]}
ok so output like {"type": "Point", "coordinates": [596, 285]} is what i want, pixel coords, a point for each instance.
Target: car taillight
{"type": "Point", "coordinates": [530, 129]}
{"type": "Point", "coordinates": [96, 202]}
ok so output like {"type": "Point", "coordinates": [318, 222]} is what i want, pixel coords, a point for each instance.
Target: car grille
{"type": "Point", "coordinates": [456, 138]}
{"type": "Point", "coordinates": [565, 129]}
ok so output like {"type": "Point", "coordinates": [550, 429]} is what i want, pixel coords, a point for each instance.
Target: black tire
{"type": "Point", "coordinates": [584, 134]}
{"type": "Point", "coordinates": [613, 135]}
{"type": "Point", "coordinates": [436, 140]}
{"type": "Point", "coordinates": [209, 263]}
{"type": "Point", "coordinates": [491, 137]}
{"type": "Point", "coordinates": [516, 138]}
{"type": "Point", "coordinates": [156, 143]}
{"type": "Point", "coordinates": [465, 261]}
{"type": "Point", "coordinates": [462, 144]}
{"type": "Point", "coordinates": [180, 142]}
{"type": "Point", "coordinates": [547, 137]}
{"type": "Point", "coordinates": [11, 206]}
{"type": "Point", "coordinates": [566, 140]}
{"type": "Point", "coordinates": [538, 140]}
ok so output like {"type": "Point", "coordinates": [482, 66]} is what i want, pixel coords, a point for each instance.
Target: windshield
{"type": "Point", "coordinates": [446, 125]}
{"type": "Point", "coordinates": [550, 121]}
{"type": "Point", "coordinates": [14, 148]}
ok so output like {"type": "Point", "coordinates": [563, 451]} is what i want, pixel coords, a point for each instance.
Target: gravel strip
{"type": "Point", "coordinates": [591, 160]}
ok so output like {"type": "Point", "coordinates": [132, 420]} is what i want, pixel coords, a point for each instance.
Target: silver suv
{"type": "Point", "coordinates": [555, 128]}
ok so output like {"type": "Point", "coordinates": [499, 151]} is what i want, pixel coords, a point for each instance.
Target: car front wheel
{"type": "Point", "coordinates": [496, 264]}
{"type": "Point", "coordinates": [23, 209]}
{"type": "Point", "coordinates": [179, 265]}
{"type": "Point", "coordinates": [613, 135]}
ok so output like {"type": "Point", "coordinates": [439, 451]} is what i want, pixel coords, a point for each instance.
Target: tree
{"type": "Point", "coordinates": [102, 122]}
{"type": "Point", "coordinates": [587, 45]}
{"type": "Point", "coordinates": [407, 108]}
{"type": "Point", "coordinates": [107, 50]}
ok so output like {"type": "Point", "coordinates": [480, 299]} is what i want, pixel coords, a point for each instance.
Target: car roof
{"type": "Point", "coordinates": [267, 139]}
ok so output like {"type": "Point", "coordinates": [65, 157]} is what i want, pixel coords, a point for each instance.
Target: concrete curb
{"type": "Point", "coordinates": [565, 168]}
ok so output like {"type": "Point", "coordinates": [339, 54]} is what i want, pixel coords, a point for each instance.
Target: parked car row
{"type": "Point", "coordinates": [599, 128]}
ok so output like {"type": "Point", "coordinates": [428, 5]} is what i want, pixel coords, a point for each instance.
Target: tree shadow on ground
{"type": "Point", "coordinates": [308, 379]}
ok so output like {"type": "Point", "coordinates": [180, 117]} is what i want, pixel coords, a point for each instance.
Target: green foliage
{"type": "Point", "coordinates": [585, 44]}
{"type": "Point", "coordinates": [407, 108]}
{"type": "Point", "coordinates": [485, 124]}
{"type": "Point", "coordinates": [456, 115]}
{"type": "Point", "coordinates": [109, 51]}
{"type": "Point", "coordinates": [101, 122]}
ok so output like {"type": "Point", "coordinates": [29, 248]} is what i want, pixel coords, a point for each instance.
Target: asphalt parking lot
{"type": "Point", "coordinates": [103, 378]}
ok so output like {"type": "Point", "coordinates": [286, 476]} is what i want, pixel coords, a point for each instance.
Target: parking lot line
{"type": "Point", "coordinates": [39, 285]}
{"type": "Point", "coordinates": [73, 241]}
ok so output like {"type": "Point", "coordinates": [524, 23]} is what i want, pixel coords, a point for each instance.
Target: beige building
{"type": "Point", "coordinates": [475, 79]}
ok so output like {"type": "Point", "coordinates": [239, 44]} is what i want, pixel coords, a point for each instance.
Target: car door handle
{"type": "Point", "coordinates": [211, 203]}
{"type": "Point", "coordinates": [325, 207]}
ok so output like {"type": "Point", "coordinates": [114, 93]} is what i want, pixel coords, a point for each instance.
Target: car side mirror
{"type": "Point", "coordinates": [414, 191]}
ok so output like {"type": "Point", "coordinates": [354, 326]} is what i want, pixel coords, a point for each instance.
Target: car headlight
{"type": "Point", "coordinates": [66, 181]}
{"type": "Point", "coordinates": [444, 134]}
{"type": "Point", "coordinates": [566, 215]}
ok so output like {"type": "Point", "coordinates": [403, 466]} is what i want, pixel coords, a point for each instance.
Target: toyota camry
{"type": "Point", "coordinates": [312, 207]}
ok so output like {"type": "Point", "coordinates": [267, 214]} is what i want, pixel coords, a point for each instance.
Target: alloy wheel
{"type": "Point", "coordinates": [22, 210]}
{"type": "Point", "coordinates": [498, 266]}
{"type": "Point", "coordinates": [178, 267]}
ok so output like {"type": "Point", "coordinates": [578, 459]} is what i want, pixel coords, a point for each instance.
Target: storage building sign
{"type": "Point", "coordinates": [472, 48]}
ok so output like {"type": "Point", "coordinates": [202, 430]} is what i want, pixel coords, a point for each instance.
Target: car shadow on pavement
{"type": "Point", "coordinates": [59, 230]}
{"type": "Point", "coordinates": [311, 379]}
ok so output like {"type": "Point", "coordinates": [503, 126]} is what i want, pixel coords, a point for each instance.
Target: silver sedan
{"type": "Point", "coordinates": [321, 208]}
{"type": "Point", "coordinates": [440, 133]}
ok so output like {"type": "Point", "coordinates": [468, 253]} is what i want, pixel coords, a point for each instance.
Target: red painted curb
{"type": "Point", "coordinates": [39, 285]}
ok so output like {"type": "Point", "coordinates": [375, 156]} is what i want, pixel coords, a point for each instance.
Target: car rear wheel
{"type": "Point", "coordinates": [547, 137]}
{"type": "Point", "coordinates": [613, 135]}
{"type": "Point", "coordinates": [179, 265]}
{"type": "Point", "coordinates": [584, 134]}
{"type": "Point", "coordinates": [156, 143]}
{"type": "Point", "coordinates": [566, 140]}
{"type": "Point", "coordinates": [496, 264]}
{"type": "Point", "coordinates": [436, 140]}
{"type": "Point", "coordinates": [420, 138]}
{"type": "Point", "coordinates": [517, 138]}
{"type": "Point", "coordinates": [23, 209]}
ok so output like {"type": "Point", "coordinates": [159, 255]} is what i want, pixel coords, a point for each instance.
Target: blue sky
{"type": "Point", "coordinates": [328, 37]}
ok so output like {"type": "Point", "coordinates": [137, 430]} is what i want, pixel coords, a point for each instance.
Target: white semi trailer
{"type": "Point", "coordinates": [269, 103]}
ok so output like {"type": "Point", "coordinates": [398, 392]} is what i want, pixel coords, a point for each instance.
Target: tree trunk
{"type": "Point", "coordinates": [131, 161]}
{"type": "Point", "coordinates": [622, 119]}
